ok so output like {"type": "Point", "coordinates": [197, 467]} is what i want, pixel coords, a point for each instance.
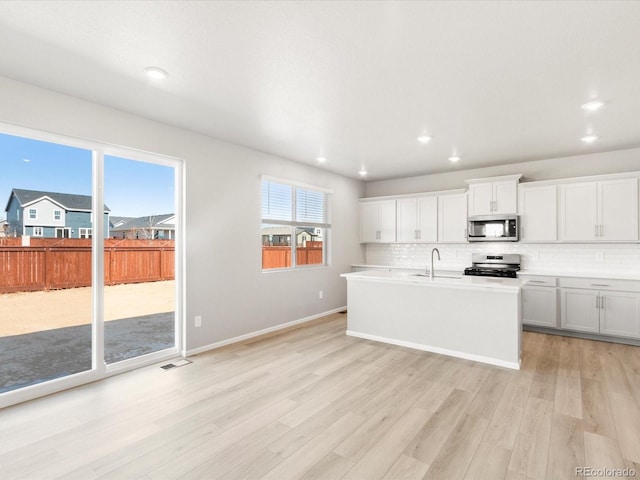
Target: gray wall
{"type": "Point", "coordinates": [549, 169]}
{"type": "Point", "coordinates": [224, 281]}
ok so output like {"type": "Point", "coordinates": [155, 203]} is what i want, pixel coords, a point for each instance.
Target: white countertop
{"type": "Point", "coordinates": [527, 271]}
{"type": "Point", "coordinates": [393, 267]}
{"type": "Point", "coordinates": [581, 274]}
{"type": "Point", "coordinates": [466, 282]}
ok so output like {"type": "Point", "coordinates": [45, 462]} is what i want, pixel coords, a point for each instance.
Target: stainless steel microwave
{"type": "Point", "coordinates": [493, 228]}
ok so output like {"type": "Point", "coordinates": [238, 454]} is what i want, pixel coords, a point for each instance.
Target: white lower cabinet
{"type": "Point", "coordinates": [539, 301]}
{"type": "Point", "coordinates": [540, 306]}
{"type": "Point", "coordinates": [607, 312]}
{"type": "Point", "coordinates": [580, 310]}
{"type": "Point", "coordinates": [619, 314]}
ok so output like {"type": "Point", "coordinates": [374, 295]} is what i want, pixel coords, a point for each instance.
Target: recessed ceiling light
{"type": "Point", "coordinates": [593, 105]}
{"type": "Point", "coordinates": [321, 159]}
{"type": "Point", "coordinates": [589, 138]}
{"type": "Point", "coordinates": [454, 158]}
{"type": "Point", "coordinates": [362, 172]}
{"type": "Point", "coordinates": [424, 138]}
{"type": "Point", "coordinates": [156, 73]}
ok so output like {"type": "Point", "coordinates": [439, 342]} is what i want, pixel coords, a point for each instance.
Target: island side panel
{"type": "Point", "coordinates": [482, 324]}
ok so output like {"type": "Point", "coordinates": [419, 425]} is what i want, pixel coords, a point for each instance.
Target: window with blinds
{"type": "Point", "coordinates": [295, 225]}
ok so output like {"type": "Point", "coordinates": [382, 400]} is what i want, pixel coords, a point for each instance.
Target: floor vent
{"type": "Point", "coordinates": [179, 363]}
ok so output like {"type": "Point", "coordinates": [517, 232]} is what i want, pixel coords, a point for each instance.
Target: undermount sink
{"type": "Point", "coordinates": [458, 277]}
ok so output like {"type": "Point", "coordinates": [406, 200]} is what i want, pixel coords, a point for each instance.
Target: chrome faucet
{"type": "Point", "coordinates": [435, 250]}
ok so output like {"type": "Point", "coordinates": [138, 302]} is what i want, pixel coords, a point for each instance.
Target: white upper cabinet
{"type": "Point", "coordinates": [417, 220]}
{"type": "Point", "coordinates": [452, 218]}
{"type": "Point", "coordinates": [599, 211]}
{"type": "Point", "coordinates": [537, 206]}
{"type": "Point", "coordinates": [490, 196]}
{"type": "Point", "coordinates": [481, 199]}
{"type": "Point", "coordinates": [618, 210]}
{"type": "Point", "coordinates": [579, 211]}
{"type": "Point", "coordinates": [378, 221]}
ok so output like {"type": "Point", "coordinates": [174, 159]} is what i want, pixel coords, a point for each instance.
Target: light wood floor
{"type": "Point", "coordinates": [314, 404]}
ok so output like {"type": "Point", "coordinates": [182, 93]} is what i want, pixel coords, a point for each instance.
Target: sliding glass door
{"type": "Point", "coordinates": [88, 263]}
{"type": "Point", "coordinates": [45, 277]}
{"type": "Point", "coordinates": [139, 258]}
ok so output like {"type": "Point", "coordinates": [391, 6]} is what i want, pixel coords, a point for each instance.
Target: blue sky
{"type": "Point", "coordinates": [132, 189]}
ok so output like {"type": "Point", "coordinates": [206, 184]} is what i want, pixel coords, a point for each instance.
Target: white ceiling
{"type": "Point", "coordinates": [357, 82]}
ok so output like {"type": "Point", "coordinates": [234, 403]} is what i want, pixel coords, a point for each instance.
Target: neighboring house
{"type": "Point", "coordinates": [51, 214]}
{"type": "Point", "coordinates": [281, 235]}
{"type": "Point", "coordinates": [147, 228]}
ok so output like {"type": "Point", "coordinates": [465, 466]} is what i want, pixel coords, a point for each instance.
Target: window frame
{"type": "Point", "coordinates": [63, 229]}
{"type": "Point", "coordinates": [35, 213]}
{"type": "Point", "coordinates": [38, 232]}
{"type": "Point", "coordinates": [100, 370]}
{"type": "Point", "coordinates": [85, 232]}
{"type": "Point", "coordinates": [57, 215]}
{"type": "Point", "coordinates": [295, 224]}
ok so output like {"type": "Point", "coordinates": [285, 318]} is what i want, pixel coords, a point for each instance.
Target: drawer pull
{"type": "Point", "coordinates": [537, 281]}
{"type": "Point", "coordinates": [599, 285]}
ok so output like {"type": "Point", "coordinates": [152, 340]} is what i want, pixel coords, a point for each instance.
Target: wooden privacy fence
{"type": "Point", "coordinates": [50, 264]}
{"type": "Point", "coordinates": [280, 257]}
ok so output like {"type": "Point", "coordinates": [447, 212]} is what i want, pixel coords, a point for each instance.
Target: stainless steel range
{"type": "Point", "coordinates": [494, 265]}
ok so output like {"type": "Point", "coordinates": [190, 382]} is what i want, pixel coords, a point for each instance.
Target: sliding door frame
{"type": "Point", "coordinates": [100, 369]}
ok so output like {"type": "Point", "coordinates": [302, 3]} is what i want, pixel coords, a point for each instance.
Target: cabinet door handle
{"type": "Point", "coordinates": [599, 285]}
{"type": "Point", "coordinates": [602, 302]}
{"type": "Point", "coordinates": [598, 301]}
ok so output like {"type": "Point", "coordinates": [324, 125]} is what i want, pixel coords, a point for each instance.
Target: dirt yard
{"type": "Point", "coordinates": [30, 312]}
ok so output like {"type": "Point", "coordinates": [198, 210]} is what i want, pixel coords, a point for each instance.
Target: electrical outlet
{"type": "Point", "coordinates": [320, 294]}
{"type": "Point", "coordinates": [198, 320]}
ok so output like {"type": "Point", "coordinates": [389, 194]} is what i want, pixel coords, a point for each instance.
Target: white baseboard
{"type": "Point", "coordinates": [441, 351]}
{"type": "Point", "coordinates": [282, 326]}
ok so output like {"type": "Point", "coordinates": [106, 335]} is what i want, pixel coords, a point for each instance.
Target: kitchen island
{"type": "Point", "coordinates": [476, 318]}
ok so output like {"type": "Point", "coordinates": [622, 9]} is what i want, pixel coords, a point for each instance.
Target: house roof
{"type": "Point", "coordinates": [117, 221]}
{"type": "Point", "coordinates": [68, 201]}
{"type": "Point", "coordinates": [134, 223]}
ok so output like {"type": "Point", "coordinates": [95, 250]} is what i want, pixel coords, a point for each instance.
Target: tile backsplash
{"type": "Point", "coordinates": [557, 258]}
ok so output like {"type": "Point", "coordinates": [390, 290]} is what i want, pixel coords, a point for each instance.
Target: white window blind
{"type": "Point", "coordinates": [311, 207]}
{"type": "Point", "coordinates": [277, 200]}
